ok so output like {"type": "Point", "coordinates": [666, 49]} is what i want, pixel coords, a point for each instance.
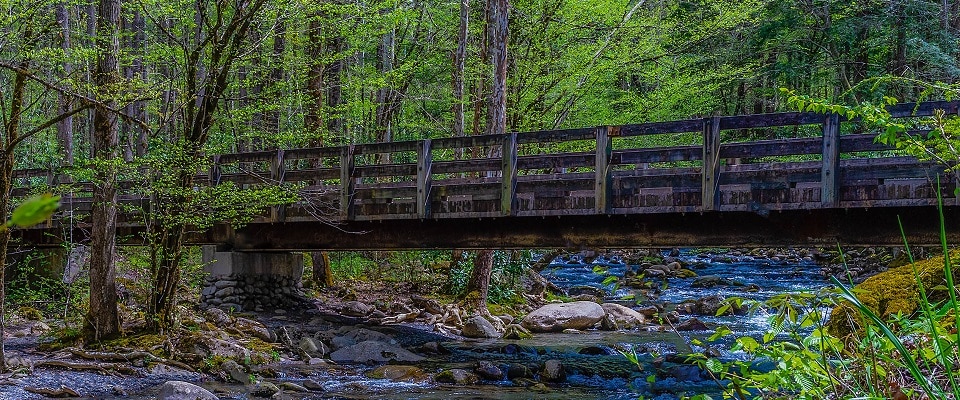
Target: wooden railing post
{"type": "Point", "coordinates": [602, 180]}
{"type": "Point", "coordinates": [710, 195]}
{"type": "Point", "coordinates": [508, 173]}
{"type": "Point", "coordinates": [424, 178]}
{"type": "Point", "coordinates": [346, 182]}
{"type": "Point", "coordinates": [829, 173]}
{"type": "Point", "coordinates": [215, 171]}
{"type": "Point", "coordinates": [277, 213]}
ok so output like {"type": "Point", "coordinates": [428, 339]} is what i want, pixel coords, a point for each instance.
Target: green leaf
{"type": "Point", "coordinates": [610, 279]}
{"type": "Point", "coordinates": [651, 378]}
{"type": "Point", "coordinates": [34, 210]}
{"type": "Point", "coordinates": [748, 344]}
{"type": "Point", "coordinates": [714, 365]}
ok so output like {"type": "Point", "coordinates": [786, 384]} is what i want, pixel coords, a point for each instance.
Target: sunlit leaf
{"type": "Point", "coordinates": [34, 210]}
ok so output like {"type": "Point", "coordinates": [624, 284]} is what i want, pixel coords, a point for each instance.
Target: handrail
{"type": "Point", "coordinates": [418, 184]}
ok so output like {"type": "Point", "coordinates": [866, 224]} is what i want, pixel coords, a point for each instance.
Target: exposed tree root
{"type": "Point", "coordinates": [133, 355]}
{"type": "Point", "coordinates": [104, 368]}
{"type": "Point", "coordinates": [63, 391]}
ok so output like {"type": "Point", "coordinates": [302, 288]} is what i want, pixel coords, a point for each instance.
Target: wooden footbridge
{"type": "Point", "coordinates": [610, 186]}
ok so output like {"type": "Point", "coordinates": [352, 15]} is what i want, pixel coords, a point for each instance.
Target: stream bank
{"type": "Point", "coordinates": [429, 361]}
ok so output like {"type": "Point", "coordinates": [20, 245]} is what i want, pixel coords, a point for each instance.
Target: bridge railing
{"type": "Point", "coordinates": [602, 170]}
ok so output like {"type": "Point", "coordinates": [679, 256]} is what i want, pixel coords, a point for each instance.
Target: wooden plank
{"type": "Point", "coordinates": [659, 154]}
{"type": "Point", "coordinates": [710, 189]}
{"type": "Point", "coordinates": [561, 135]}
{"type": "Point", "coordinates": [508, 187]}
{"type": "Point", "coordinates": [388, 147]}
{"type": "Point", "coordinates": [924, 109]}
{"type": "Point", "coordinates": [658, 128]}
{"type": "Point", "coordinates": [861, 142]}
{"type": "Point", "coordinates": [467, 141]}
{"type": "Point", "coordinates": [474, 165]}
{"type": "Point", "coordinates": [347, 183]}
{"type": "Point", "coordinates": [389, 170]}
{"type": "Point", "coordinates": [770, 120]}
{"type": "Point", "coordinates": [541, 187]}
{"type": "Point", "coordinates": [831, 161]}
{"type": "Point", "coordinates": [424, 176]}
{"type": "Point", "coordinates": [603, 182]}
{"type": "Point", "coordinates": [556, 161]}
{"type": "Point", "coordinates": [312, 174]}
{"type": "Point", "coordinates": [312, 153]}
{"type": "Point", "coordinates": [767, 148]}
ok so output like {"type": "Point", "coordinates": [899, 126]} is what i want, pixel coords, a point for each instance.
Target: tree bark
{"type": "Point", "coordinates": [64, 102]}
{"type": "Point", "coordinates": [7, 161]}
{"type": "Point", "coordinates": [276, 75]}
{"type": "Point", "coordinates": [497, 20]}
{"type": "Point", "coordinates": [322, 274]}
{"type": "Point", "coordinates": [475, 296]}
{"type": "Point", "coordinates": [102, 318]}
{"type": "Point", "coordinates": [459, 67]}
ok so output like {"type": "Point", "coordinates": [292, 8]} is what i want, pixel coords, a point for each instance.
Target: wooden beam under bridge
{"type": "Point", "coordinates": [821, 228]}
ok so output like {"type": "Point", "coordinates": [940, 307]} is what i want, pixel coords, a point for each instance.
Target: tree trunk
{"type": "Point", "coordinates": [385, 95]}
{"type": "Point", "coordinates": [459, 67]}
{"type": "Point", "coordinates": [140, 138]}
{"type": "Point", "coordinates": [497, 20]}
{"type": "Point", "coordinates": [322, 274]}
{"type": "Point", "coordinates": [102, 319]}
{"type": "Point", "coordinates": [64, 102]}
{"type": "Point", "coordinates": [7, 161]}
{"type": "Point", "coordinates": [475, 296]}
{"type": "Point", "coordinates": [276, 76]}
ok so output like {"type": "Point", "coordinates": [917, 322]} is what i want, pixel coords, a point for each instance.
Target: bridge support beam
{"type": "Point", "coordinates": [251, 281]}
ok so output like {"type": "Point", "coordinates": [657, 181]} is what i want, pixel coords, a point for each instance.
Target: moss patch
{"type": "Point", "coordinates": [892, 292]}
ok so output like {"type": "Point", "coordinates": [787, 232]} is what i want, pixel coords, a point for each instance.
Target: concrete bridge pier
{"type": "Point", "coordinates": [251, 281]}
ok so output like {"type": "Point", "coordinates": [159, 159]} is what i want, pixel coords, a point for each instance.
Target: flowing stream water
{"type": "Point", "coordinates": [595, 369]}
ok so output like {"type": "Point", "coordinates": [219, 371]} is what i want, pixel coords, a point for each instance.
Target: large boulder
{"type": "Point", "coordinates": [373, 352]}
{"type": "Point", "coordinates": [560, 316]}
{"type": "Point", "coordinates": [177, 390]}
{"type": "Point", "coordinates": [625, 317]}
{"type": "Point", "coordinates": [479, 327]}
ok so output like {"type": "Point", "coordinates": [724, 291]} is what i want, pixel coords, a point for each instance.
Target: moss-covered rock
{"type": "Point", "coordinates": [893, 292]}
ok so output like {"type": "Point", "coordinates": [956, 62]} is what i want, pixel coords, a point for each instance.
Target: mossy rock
{"type": "Point", "coordinates": [892, 292]}
{"type": "Point", "coordinates": [686, 273]}
{"type": "Point", "coordinates": [30, 313]}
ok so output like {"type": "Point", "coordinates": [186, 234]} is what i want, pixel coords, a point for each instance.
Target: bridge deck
{"type": "Point", "coordinates": [574, 174]}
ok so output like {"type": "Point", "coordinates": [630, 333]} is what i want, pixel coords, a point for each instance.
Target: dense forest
{"type": "Point", "coordinates": [117, 90]}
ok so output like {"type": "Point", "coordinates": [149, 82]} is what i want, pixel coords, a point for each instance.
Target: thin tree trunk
{"type": "Point", "coordinates": [459, 67]}
{"type": "Point", "coordinates": [139, 107]}
{"type": "Point", "coordinates": [64, 102]}
{"type": "Point", "coordinates": [276, 76]}
{"type": "Point", "coordinates": [102, 319]}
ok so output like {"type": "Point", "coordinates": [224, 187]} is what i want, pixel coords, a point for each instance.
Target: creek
{"type": "Point", "coordinates": [594, 367]}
